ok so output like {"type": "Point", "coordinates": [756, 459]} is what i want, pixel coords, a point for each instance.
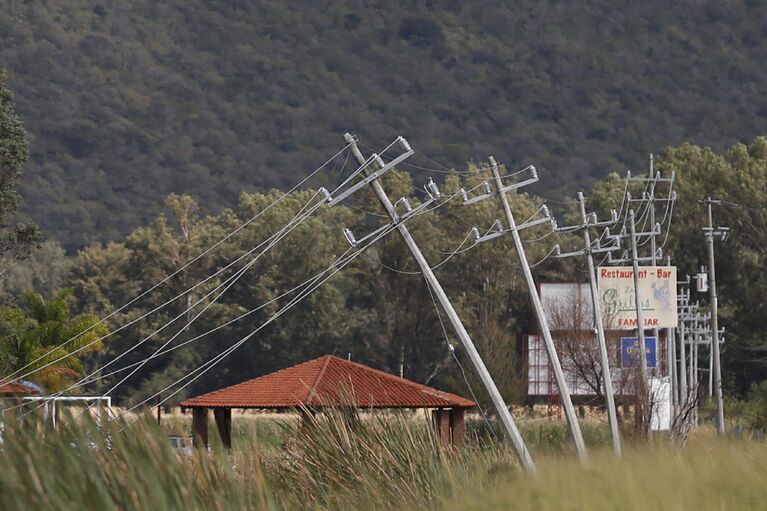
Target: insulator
{"type": "Point", "coordinates": [349, 235]}
{"type": "Point", "coordinates": [432, 189]}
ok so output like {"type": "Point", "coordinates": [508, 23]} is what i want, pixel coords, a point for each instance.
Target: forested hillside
{"type": "Point", "coordinates": [128, 101]}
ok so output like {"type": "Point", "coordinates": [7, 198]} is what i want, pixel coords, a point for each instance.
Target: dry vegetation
{"type": "Point", "coordinates": [379, 462]}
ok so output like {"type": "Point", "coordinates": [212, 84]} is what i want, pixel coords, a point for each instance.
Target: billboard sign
{"type": "Point", "coordinates": [630, 351]}
{"type": "Point", "coordinates": [657, 292]}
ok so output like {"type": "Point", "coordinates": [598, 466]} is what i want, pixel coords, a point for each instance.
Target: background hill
{"type": "Point", "coordinates": [128, 101]}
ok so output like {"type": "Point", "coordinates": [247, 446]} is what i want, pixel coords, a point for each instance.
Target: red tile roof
{"type": "Point", "coordinates": [11, 388]}
{"type": "Point", "coordinates": [326, 380]}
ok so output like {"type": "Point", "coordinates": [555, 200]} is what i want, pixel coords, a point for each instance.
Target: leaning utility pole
{"type": "Point", "coordinates": [710, 233]}
{"type": "Point", "coordinates": [589, 251]}
{"type": "Point", "coordinates": [505, 416]}
{"type": "Point", "coordinates": [564, 391]}
{"type": "Point", "coordinates": [641, 391]}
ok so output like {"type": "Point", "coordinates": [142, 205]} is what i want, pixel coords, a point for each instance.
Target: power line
{"type": "Point", "coordinates": [220, 357]}
{"type": "Point", "coordinates": [451, 348]}
{"type": "Point", "coordinates": [435, 267]}
{"type": "Point", "coordinates": [213, 330]}
{"type": "Point", "coordinates": [214, 361]}
{"type": "Point", "coordinates": [273, 240]}
{"type": "Point", "coordinates": [8, 378]}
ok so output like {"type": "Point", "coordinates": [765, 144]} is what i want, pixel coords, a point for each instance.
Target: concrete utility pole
{"type": "Point", "coordinates": [642, 391]}
{"type": "Point", "coordinates": [653, 244]}
{"type": "Point", "coordinates": [564, 391]}
{"type": "Point", "coordinates": [588, 251]}
{"type": "Point", "coordinates": [505, 416]}
{"type": "Point", "coordinates": [717, 366]}
{"type": "Point", "coordinates": [612, 416]}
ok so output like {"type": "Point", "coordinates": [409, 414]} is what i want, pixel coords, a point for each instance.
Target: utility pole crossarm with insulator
{"type": "Point", "coordinates": [501, 190]}
{"type": "Point", "coordinates": [372, 167]}
{"type": "Point", "coordinates": [590, 221]}
{"type": "Point", "coordinates": [710, 232]}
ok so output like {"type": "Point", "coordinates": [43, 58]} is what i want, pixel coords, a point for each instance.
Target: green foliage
{"type": "Point", "coordinates": [376, 309]}
{"type": "Point", "coordinates": [757, 407]}
{"type": "Point", "coordinates": [739, 177]}
{"type": "Point", "coordinates": [30, 339]}
{"type": "Point", "coordinates": [45, 270]}
{"type": "Point", "coordinates": [15, 241]}
{"type": "Point", "coordinates": [130, 101]}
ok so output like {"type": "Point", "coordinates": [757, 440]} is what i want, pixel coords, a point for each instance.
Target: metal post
{"type": "Point", "coordinates": [682, 363]}
{"type": "Point", "coordinates": [671, 357]}
{"type": "Point", "coordinates": [564, 391]}
{"type": "Point", "coordinates": [696, 379]}
{"type": "Point", "coordinates": [691, 377]}
{"type": "Point", "coordinates": [710, 370]}
{"type": "Point", "coordinates": [672, 368]}
{"type": "Point", "coordinates": [503, 412]}
{"type": "Point", "coordinates": [717, 367]}
{"type": "Point", "coordinates": [641, 392]}
{"type": "Point", "coordinates": [604, 357]}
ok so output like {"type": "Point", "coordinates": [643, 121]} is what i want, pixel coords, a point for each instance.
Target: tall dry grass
{"type": "Point", "coordinates": [339, 460]}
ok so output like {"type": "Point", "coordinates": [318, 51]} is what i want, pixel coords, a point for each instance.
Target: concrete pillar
{"type": "Point", "coordinates": [457, 427]}
{"type": "Point", "coordinates": [441, 418]}
{"type": "Point", "coordinates": [223, 418]}
{"type": "Point", "coordinates": [200, 427]}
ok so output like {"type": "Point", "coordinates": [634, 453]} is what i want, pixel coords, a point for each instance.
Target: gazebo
{"type": "Point", "coordinates": [324, 381]}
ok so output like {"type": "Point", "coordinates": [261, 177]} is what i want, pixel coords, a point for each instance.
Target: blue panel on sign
{"type": "Point", "coordinates": [630, 351]}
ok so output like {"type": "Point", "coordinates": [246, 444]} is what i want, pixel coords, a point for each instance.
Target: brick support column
{"type": "Point", "coordinates": [441, 419]}
{"type": "Point", "coordinates": [223, 418]}
{"type": "Point", "coordinates": [457, 427]}
{"type": "Point", "coordinates": [200, 427]}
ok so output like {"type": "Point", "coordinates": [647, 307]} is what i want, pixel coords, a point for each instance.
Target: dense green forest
{"type": "Point", "coordinates": [126, 101]}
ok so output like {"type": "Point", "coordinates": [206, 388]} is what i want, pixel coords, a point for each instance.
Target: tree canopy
{"type": "Point", "coordinates": [130, 101]}
{"type": "Point", "coordinates": [15, 241]}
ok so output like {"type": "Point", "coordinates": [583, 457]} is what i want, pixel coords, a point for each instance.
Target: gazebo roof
{"type": "Point", "coordinates": [12, 388]}
{"type": "Point", "coordinates": [325, 380]}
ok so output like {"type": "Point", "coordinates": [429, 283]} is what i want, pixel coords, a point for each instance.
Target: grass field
{"type": "Point", "coordinates": [374, 462]}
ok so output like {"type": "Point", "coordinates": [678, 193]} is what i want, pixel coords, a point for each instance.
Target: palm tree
{"type": "Point", "coordinates": [29, 333]}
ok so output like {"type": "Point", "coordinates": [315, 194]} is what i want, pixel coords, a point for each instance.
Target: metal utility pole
{"type": "Point", "coordinates": [641, 392]}
{"type": "Point", "coordinates": [505, 416]}
{"type": "Point", "coordinates": [682, 363]}
{"type": "Point", "coordinates": [710, 234]}
{"type": "Point", "coordinates": [672, 367]}
{"type": "Point", "coordinates": [683, 302]}
{"type": "Point", "coordinates": [564, 391]}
